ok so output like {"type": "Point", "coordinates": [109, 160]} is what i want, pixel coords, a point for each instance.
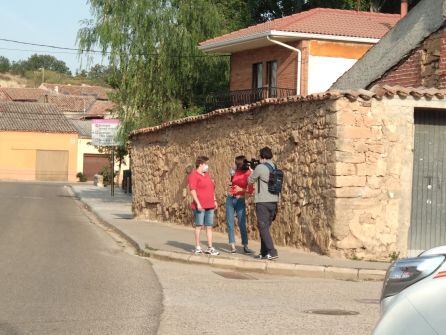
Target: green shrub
{"type": "Point", "coordinates": [81, 177]}
{"type": "Point", "coordinates": [106, 174]}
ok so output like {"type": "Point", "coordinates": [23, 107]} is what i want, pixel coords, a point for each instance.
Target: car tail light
{"type": "Point", "coordinates": [407, 271]}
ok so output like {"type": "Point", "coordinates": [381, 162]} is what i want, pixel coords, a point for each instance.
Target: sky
{"type": "Point", "coordinates": [50, 22]}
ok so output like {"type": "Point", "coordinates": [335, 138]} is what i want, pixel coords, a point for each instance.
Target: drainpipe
{"type": "Point", "coordinates": [404, 8]}
{"type": "Point", "coordinates": [299, 60]}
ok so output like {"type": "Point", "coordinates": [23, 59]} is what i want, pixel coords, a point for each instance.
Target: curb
{"type": "Point", "coordinates": [269, 267]}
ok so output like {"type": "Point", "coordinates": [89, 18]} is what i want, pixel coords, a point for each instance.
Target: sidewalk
{"type": "Point", "coordinates": [175, 243]}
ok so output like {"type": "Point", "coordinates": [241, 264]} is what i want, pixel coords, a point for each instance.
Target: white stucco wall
{"type": "Point", "coordinates": [324, 71]}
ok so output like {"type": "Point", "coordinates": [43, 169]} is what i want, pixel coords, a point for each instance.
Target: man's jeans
{"type": "Point", "coordinates": [234, 205]}
{"type": "Point", "coordinates": [266, 212]}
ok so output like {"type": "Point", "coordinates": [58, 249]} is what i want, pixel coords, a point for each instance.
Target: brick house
{"type": "Point", "coordinates": [299, 54]}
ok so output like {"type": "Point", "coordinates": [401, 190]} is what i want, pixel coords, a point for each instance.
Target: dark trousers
{"type": "Point", "coordinates": [265, 214]}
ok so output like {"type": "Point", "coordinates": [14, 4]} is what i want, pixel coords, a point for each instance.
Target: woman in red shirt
{"type": "Point", "coordinates": [235, 203]}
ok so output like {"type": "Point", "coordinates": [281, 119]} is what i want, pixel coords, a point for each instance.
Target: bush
{"type": "Point", "coordinates": [106, 174]}
{"type": "Point", "coordinates": [81, 177]}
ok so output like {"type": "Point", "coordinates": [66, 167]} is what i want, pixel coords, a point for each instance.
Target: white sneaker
{"type": "Point", "coordinates": [211, 251]}
{"type": "Point", "coordinates": [198, 251]}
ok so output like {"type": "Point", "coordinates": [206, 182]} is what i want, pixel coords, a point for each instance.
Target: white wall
{"type": "Point", "coordinates": [324, 71]}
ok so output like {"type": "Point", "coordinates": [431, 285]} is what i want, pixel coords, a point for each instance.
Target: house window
{"type": "Point", "coordinates": [257, 75]}
{"type": "Point", "coordinates": [271, 71]}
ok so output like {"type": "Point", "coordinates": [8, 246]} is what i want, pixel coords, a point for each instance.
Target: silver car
{"type": "Point", "coordinates": [413, 299]}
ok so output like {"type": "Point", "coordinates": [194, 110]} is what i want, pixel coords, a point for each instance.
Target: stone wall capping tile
{"type": "Point", "coordinates": [377, 92]}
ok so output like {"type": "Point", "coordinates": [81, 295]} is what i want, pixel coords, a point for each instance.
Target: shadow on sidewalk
{"type": "Point", "coordinates": [219, 246]}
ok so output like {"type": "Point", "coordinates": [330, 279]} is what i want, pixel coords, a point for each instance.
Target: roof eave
{"type": "Point", "coordinates": [219, 47]}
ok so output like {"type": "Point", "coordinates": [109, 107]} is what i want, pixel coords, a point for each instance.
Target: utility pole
{"type": "Point", "coordinates": [43, 74]}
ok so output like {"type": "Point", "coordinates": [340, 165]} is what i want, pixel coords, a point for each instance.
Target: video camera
{"type": "Point", "coordinates": [250, 164]}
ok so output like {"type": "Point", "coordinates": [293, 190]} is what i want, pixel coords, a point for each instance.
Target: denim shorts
{"type": "Point", "coordinates": [204, 218]}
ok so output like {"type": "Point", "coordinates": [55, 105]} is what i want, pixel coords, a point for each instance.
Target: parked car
{"type": "Point", "coordinates": [413, 299]}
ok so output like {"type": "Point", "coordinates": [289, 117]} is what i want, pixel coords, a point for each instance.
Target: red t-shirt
{"type": "Point", "coordinates": [240, 179]}
{"type": "Point", "coordinates": [205, 188]}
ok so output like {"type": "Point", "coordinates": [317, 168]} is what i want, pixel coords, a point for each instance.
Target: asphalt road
{"type": "Point", "coordinates": [198, 300]}
{"type": "Point", "coordinates": [60, 274]}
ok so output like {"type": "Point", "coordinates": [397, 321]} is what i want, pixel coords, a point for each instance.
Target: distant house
{"type": "Point", "coordinates": [36, 143]}
{"type": "Point", "coordinates": [99, 92]}
{"type": "Point", "coordinates": [21, 94]}
{"type": "Point", "coordinates": [89, 160]}
{"type": "Point", "coordinates": [299, 54]}
{"type": "Point", "coordinates": [73, 106]}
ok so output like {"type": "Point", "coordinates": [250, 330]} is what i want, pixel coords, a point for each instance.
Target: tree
{"type": "Point", "coordinates": [264, 10]}
{"type": "Point", "coordinates": [36, 62]}
{"type": "Point", "coordinates": [4, 64]}
{"type": "Point", "coordinates": [152, 48]}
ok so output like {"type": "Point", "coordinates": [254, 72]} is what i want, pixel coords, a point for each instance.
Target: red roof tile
{"type": "Point", "coordinates": [21, 94]}
{"type": "Point", "coordinates": [100, 109]}
{"type": "Point", "coordinates": [70, 103]}
{"type": "Point", "coordinates": [98, 92]}
{"type": "Point", "coordinates": [33, 117]}
{"type": "Point", "coordinates": [324, 21]}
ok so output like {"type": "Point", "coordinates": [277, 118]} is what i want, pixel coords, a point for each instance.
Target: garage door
{"type": "Point", "coordinates": [93, 163]}
{"type": "Point", "coordinates": [428, 221]}
{"type": "Point", "coordinates": [52, 165]}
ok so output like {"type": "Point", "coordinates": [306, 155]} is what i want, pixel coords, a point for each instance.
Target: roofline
{"type": "Point", "coordinates": [214, 46]}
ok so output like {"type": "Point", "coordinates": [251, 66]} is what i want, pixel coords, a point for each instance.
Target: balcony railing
{"type": "Point", "coordinates": [244, 97]}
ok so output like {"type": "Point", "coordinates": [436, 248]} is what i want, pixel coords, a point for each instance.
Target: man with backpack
{"type": "Point", "coordinates": [268, 183]}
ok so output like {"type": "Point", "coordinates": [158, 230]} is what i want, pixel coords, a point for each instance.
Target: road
{"type": "Point", "coordinates": [199, 301]}
{"type": "Point", "coordinates": [61, 274]}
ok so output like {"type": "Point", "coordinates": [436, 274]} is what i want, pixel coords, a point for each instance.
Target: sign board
{"type": "Point", "coordinates": [103, 132]}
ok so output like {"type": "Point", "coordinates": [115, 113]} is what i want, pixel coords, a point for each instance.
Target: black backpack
{"type": "Point", "coordinates": [275, 180]}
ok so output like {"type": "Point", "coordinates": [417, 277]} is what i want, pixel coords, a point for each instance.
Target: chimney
{"type": "Point", "coordinates": [45, 98]}
{"type": "Point", "coordinates": [404, 8]}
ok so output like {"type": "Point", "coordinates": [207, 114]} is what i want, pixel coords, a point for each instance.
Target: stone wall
{"type": "Point", "coordinates": [347, 161]}
{"type": "Point", "coordinates": [373, 167]}
{"type": "Point", "coordinates": [301, 137]}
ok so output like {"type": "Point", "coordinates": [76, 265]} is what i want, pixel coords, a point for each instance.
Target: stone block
{"type": "Point", "coordinates": [347, 181]}
{"type": "Point", "coordinates": [348, 192]}
{"type": "Point", "coordinates": [349, 242]}
{"type": "Point", "coordinates": [350, 132]}
{"type": "Point", "coordinates": [375, 182]}
{"type": "Point", "coordinates": [348, 157]}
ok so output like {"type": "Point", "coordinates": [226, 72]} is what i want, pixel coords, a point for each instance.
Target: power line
{"type": "Point", "coordinates": [97, 51]}
{"type": "Point", "coordinates": [41, 51]}
{"type": "Point", "coordinates": [46, 45]}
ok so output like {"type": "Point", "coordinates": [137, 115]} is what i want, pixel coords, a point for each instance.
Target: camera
{"type": "Point", "coordinates": [250, 164]}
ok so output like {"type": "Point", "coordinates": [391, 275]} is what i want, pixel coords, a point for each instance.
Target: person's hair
{"type": "Point", "coordinates": [266, 153]}
{"type": "Point", "coordinates": [200, 160]}
{"type": "Point", "coordinates": [239, 160]}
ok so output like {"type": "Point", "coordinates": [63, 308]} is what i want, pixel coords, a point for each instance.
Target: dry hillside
{"type": "Point", "coordinates": [10, 80]}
